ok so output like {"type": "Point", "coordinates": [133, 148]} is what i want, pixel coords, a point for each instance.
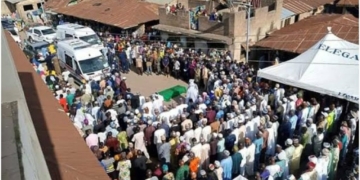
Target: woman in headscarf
{"type": "Point", "coordinates": [124, 166]}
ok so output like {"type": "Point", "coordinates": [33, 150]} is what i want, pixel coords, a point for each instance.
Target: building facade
{"type": "Point", "coordinates": [230, 32]}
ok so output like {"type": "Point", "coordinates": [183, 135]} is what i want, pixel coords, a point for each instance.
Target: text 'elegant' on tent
{"type": "Point", "coordinates": [329, 67]}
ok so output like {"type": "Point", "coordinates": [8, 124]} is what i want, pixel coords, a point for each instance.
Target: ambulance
{"type": "Point", "coordinates": [77, 31]}
{"type": "Point", "coordinates": [82, 60]}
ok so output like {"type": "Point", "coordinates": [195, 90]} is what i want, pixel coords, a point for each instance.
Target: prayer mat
{"type": "Point", "coordinates": [172, 92]}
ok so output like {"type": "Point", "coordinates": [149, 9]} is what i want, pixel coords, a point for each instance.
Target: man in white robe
{"type": "Point", "coordinates": [322, 164]}
{"type": "Point", "coordinates": [244, 153]}
{"type": "Point", "coordinates": [192, 91]}
{"type": "Point", "coordinates": [197, 132]}
{"type": "Point", "coordinates": [281, 155]}
{"type": "Point", "coordinates": [205, 151]}
{"type": "Point", "coordinates": [271, 142]}
{"type": "Point", "coordinates": [189, 134]}
{"type": "Point", "coordinates": [249, 166]}
{"type": "Point", "coordinates": [206, 133]}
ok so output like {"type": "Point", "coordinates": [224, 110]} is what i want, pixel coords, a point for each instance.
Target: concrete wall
{"type": "Point", "coordinates": [224, 28]}
{"type": "Point", "coordinates": [6, 7]}
{"type": "Point", "coordinates": [181, 19]}
{"type": "Point", "coordinates": [260, 24]}
{"type": "Point", "coordinates": [32, 158]}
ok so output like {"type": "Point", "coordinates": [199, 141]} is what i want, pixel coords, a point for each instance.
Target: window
{"type": "Point", "coordinates": [68, 36]}
{"type": "Point", "coordinates": [28, 7]}
{"type": "Point", "coordinates": [37, 32]}
{"type": "Point", "coordinates": [296, 18]}
{"type": "Point", "coordinates": [93, 64]}
{"type": "Point", "coordinates": [272, 7]}
{"type": "Point", "coordinates": [287, 22]}
{"type": "Point", "coordinates": [68, 60]}
{"type": "Point", "coordinates": [39, 5]}
{"type": "Point", "coordinates": [48, 31]}
{"type": "Point", "coordinates": [252, 13]}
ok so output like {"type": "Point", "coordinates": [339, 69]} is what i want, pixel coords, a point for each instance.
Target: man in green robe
{"type": "Point", "coordinates": [183, 172]}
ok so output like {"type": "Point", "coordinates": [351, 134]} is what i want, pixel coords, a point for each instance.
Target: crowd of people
{"type": "Point", "coordinates": [230, 125]}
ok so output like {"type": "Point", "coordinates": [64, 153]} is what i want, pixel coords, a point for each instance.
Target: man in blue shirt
{"type": "Point", "coordinates": [124, 62]}
{"type": "Point", "coordinates": [293, 121]}
{"type": "Point", "coordinates": [165, 63]}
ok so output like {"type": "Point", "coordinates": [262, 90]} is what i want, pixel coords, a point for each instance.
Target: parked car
{"type": "Point", "coordinates": [14, 35]}
{"type": "Point", "coordinates": [7, 23]}
{"type": "Point", "coordinates": [41, 33]}
{"type": "Point", "coordinates": [36, 49]}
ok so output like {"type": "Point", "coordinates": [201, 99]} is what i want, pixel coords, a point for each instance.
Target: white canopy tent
{"type": "Point", "coordinates": [329, 67]}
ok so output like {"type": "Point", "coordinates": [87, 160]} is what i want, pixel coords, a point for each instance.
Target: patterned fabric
{"type": "Point", "coordinates": [169, 176]}
{"type": "Point", "coordinates": [124, 170]}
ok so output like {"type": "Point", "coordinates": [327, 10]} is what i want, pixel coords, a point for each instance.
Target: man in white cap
{"type": "Point", "coordinates": [271, 141]}
{"type": "Point", "coordinates": [295, 160]}
{"type": "Point", "coordinates": [218, 170]}
{"type": "Point", "coordinates": [322, 164]}
{"type": "Point", "coordinates": [277, 95]}
{"type": "Point", "coordinates": [205, 152]}
{"type": "Point", "coordinates": [289, 148]}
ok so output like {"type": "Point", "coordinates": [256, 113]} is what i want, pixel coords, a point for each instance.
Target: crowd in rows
{"type": "Point", "coordinates": [229, 125]}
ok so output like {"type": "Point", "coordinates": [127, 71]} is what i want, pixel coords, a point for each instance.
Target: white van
{"type": "Point", "coordinates": [80, 58]}
{"type": "Point", "coordinates": [77, 31]}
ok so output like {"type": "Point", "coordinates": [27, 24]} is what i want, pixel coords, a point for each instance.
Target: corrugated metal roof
{"type": "Point", "coordinates": [66, 153]}
{"type": "Point", "coordinates": [285, 13]}
{"type": "Point", "coordinates": [120, 13]}
{"type": "Point", "coordinates": [301, 6]}
{"type": "Point", "coordinates": [55, 4]}
{"type": "Point", "coordinates": [301, 36]}
{"type": "Point", "coordinates": [348, 2]}
{"type": "Point", "coordinates": [188, 32]}
{"type": "Point", "coordinates": [296, 6]}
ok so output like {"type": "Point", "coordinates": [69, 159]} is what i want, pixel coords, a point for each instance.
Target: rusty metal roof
{"type": "Point", "coordinates": [301, 6]}
{"type": "Point", "coordinates": [55, 4]}
{"type": "Point", "coordinates": [348, 3]}
{"type": "Point", "coordinates": [120, 13]}
{"type": "Point", "coordinates": [65, 152]}
{"type": "Point", "coordinates": [301, 36]}
{"type": "Point", "coordinates": [193, 33]}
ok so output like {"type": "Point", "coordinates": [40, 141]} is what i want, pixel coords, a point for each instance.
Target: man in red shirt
{"type": "Point", "coordinates": [63, 103]}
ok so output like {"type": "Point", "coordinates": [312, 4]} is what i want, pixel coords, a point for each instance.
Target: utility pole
{"type": "Point", "coordinates": [248, 7]}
